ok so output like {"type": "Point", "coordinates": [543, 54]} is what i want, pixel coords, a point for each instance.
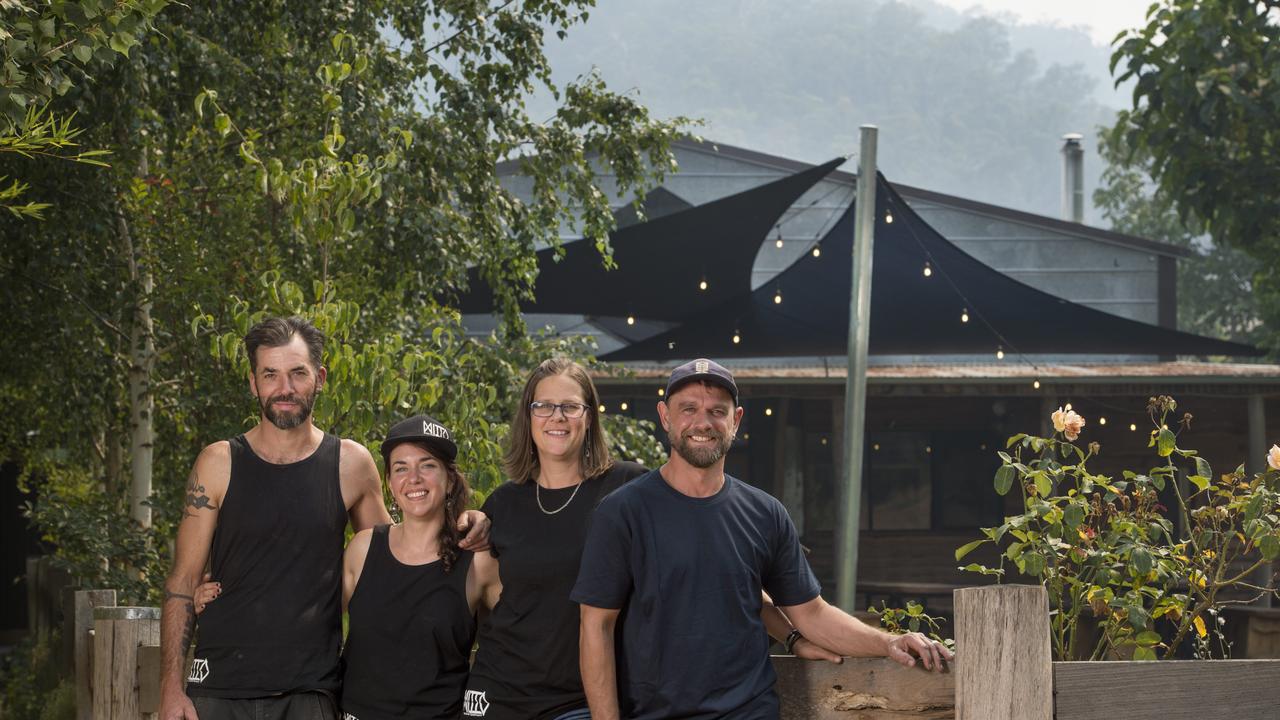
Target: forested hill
{"type": "Point", "coordinates": [970, 106]}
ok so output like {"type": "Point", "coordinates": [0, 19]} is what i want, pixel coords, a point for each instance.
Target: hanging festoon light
{"type": "Point", "coordinates": [888, 217]}
{"type": "Point", "coordinates": [702, 284]}
{"type": "Point", "coordinates": [777, 296]}
{"type": "Point", "coordinates": [999, 353]}
{"type": "Point", "coordinates": [768, 411]}
{"type": "Point", "coordinates": [817, 250]}
{"type": "Point", "coordinates": [623, 407]}
{"type": "Point", "coordinates": [631, 319]}
{"type": "Point", "coordinates": [737, 337]}
{"type": "Point", "coordinates": [964, 315]}
{"type": "Point", "coordinates": [928, 269]}
{"type": "Point", "coordinates": [1102, 420]}
{"type": "Point", "coordinates": [778, 243]}
{"type": "Point", "coordinates": [662, 391]}
{"type": "Point", "coordinates": [1133, 427]}
{"type": "Point", "coordinates": [1036, 384]}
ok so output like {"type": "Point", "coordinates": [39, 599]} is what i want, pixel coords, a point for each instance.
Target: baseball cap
{"type": "Point", "coordinates": [422, 428]}
{"type": "Point", "coordinates": [702, 369]}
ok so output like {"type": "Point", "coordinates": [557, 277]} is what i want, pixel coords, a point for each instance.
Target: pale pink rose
{"type": "Point", "coordinates": [1057, 417]}
{"type": "Point", "coordinates": [1072, 424]}
{"type": "Point", "coordinates": [1273, 457]}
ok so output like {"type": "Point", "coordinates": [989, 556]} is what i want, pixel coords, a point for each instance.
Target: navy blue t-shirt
{"type": "Point", "coordinates": [686, 573]}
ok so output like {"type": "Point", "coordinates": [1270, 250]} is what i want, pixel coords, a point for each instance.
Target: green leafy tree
{"type": "Point", "coordinates": [1215, 287]}
{"type": "Point", "coordinates": [271, 165]}
{"type": "Point", "coordinates": [1205, 101]}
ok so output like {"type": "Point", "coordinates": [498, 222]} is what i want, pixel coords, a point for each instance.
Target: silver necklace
{"type": "Point", "coordinates": [537, 494]}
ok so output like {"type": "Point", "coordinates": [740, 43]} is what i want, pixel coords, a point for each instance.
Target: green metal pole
{"type": "Point", "coordinates": [855, 390]}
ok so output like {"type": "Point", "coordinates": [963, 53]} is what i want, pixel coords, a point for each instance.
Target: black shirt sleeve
{"type": "Point", "coordinates": [604, 577]}
{"type": "Point", "coordinates": [788, 578]}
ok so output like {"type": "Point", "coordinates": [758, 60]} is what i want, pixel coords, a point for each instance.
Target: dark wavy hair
{"type": "Point", "coordinates": [521, 459]}
{"type": "Point", "coordinates": [456, 499]}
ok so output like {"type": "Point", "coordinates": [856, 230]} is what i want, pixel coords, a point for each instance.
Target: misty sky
{"type": "Point", "coordinates": [1104, 18]}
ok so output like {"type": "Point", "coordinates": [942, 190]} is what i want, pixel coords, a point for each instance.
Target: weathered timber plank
{"type": "Point", "coordinates": [1005, 668]}
{"type": "Point", "coordinates": [79, 629]}
{"type": "Point", "coordinates": [1167, 690]}
{"type": "Point", "coordinates": [862, 689]}
{"type": "Point", "coordinates": [124, 671]}
{"type": "Point", "coordinates": [103, 644]}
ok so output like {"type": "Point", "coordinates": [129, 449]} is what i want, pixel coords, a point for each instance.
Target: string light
{"type": "Point", "coordinates": [1036, 384]}
{"type": "Point", "coordinates": [778, 243]}
{"type": "Point", "coordinates": [1102, 421]}
{"type": "Point", "coordinates": [601, 407]}
{"type": "Point", "coordinates": [1132, 427]}
{"type": "Point", "coordinates": [876, 446]}
{"type": "Point", "coordinates": [702, 284]}
{"type": "Point", "coordinates": [928, 269]}
{"type": "Point", "coordinates": [661, 392]}
{"type": "Point", "coordinates": [631, 319]}
{"type": "Point", "coordinates": [888, 217]}
{"type": "Point", "coordinates": [671, 345]}
{"type": "Point", "coordinates": [983, 446]}
{"type": "Point", "coordinates": [777, 297]}
{"type": "Point", "coordinates": [964, 315]}
{"type": "Point", "coordinates": [768, 411]}
{"type": "Point", "coordinates": [817, 250]}
{"type": "Point", "coordinates": [746, 436]}
{"type": "Point", "coordinates": [623, 407]}
{"type": "Point", "coordinates": [737, 338]}
{"type": "Point", "coordinates": [999, 353]}
{"type": "Point", "coordinates": [928, 450]}
{"type": "Point", "coordinates": [824, 441]}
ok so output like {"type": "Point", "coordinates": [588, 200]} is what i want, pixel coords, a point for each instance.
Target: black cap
{"type": "Point", "coordinates": [422, 428]}
{"type": "Point", "coordinates": [703, 369]}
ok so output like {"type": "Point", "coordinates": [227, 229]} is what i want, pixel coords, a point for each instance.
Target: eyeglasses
{"type": "Point", "coordinates": [571, 410]}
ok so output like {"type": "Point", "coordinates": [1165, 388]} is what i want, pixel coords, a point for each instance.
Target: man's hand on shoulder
{"type": "Point", "coordinates": [904, 649]}
{"type": "Point", "coordinates": [476, 526]}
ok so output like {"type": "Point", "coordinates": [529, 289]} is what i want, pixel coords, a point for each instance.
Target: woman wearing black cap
{"type": "Point", "coordinates": [411, 593]}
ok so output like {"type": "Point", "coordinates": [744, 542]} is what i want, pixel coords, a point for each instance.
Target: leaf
{"type": "Point", "coordinates": [222, 124]}
{"type": "Point", "coordinates": [1072, 515]}
{"type": "Point", "coordinates": [1201, 630]}
{"type": "Point", "coordinates": [1141, 560]}
{"type": "Point", "coordinates": [1004, 479]}
{"type": "Point", "coordinates": [1202, 467]}
{"type": "Point", "coordinates": [1043, 486]}
{"type": "Point", "coordinates": [968, 548]}
{"type": "Point", "coordinates": [1144, 653]}
{"type": "Point", "coordinates": [1269, 545]}
{"type": "Point", "coordinates": [1148, 638]}
{"type": "Point", "coordinates": [1166, 442]}
{"type": "Point", "coordinates": [83, 53]}
{"type": "Point", "coordinates": [1033, 564]}
{"type": "Point", "coordinates": [1201, 482]}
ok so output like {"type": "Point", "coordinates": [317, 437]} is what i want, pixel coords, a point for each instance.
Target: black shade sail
{"type": "Point", "coordinates": [714, 243]}
{"type": "Point", "coordinates": [911, 313]}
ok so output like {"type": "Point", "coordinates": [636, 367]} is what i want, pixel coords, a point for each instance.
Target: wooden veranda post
{"type": "Point", "coordinates": [855, 387]}
{"type": "Point", "coordinates": [117, 634]}
{"type": "Point", "coordinates": [78, 617]}
{"type": "Point", "coordinates": [1004, 663]}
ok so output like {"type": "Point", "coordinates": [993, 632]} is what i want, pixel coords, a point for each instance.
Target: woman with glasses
{"type": "Point", "coordinates": [559, 468]}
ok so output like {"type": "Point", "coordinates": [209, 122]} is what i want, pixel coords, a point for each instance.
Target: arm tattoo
{"type": "Point", "coordinates": [188, 610]}
{"type": "Point", "coordinates": [196, 496]}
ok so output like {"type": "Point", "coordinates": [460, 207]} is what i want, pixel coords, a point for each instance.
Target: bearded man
{"type": "Point", "coordinates": [679, 557]}
{"type": "Point", "coordinates": [269, 508]}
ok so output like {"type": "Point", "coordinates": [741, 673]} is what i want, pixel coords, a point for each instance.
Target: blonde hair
{"type": "Point", "coordinates": [521, 459]}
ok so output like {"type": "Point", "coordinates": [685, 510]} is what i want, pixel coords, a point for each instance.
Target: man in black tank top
{"type": "Point", "coordinates": [268, 509]}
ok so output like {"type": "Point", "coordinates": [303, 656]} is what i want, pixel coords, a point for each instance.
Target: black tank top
{"type": "Point", "coordinates": [277, 551]}
{"type": "Point", "coordinates": [409, 635]}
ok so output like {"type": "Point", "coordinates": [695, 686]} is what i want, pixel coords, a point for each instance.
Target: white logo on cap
{"type": "Point", "coordinates": [701, 366]}
{"type": "Point", "coordinates": [434, 430]}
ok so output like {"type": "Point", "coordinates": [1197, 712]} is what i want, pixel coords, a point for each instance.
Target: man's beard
{"type": "Point", "coordinates": [288, 420]}
{"type": "Point", "coordinates": [702, 456]}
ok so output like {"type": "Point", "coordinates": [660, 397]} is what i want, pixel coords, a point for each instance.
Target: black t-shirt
{"type": "Point", "coordinates": [687, 573]}
{"type": "Point", "coordinates": [278, 552]}
{"type": "Point", "coordinates": [409, 637]}
{"type": "Point", "coordinates": [527, 662]}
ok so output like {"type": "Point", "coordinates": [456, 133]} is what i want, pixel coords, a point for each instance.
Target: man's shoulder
{"type": "Point", "coordinates": [630, 494]}
{"type": "Point", "coordinates": [354, 449]}
{"type": "Point", "coordinates": [215, 458]}
{"type": "Point", "coordinates": [750, 494]}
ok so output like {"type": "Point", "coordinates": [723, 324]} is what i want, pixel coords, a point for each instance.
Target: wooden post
{"type": "Point", "coordinates": [117, 633]}
{"type": "Point", "coordinates": [79, 642]}
{"type": "Point", "coordinates": [1004, 664]}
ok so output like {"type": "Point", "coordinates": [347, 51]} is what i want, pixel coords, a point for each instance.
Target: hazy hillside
{"type": "Point", "coordinates": [970, 106]}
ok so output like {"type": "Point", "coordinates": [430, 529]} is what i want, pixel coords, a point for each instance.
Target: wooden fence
{"type": "Point", "coordinates": [1003, 671]}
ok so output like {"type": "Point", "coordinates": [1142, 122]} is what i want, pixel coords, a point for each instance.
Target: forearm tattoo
{"type": "Point", "coordinates": [187, 607]}
{"type": "Point", "coordinates": [197, 498]}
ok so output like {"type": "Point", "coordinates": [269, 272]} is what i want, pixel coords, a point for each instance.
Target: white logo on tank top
{"type": "Point", "coordinates": [474, 703]}
{"type": "Point", "coordinates": [349, 716]}
{"type": "Point", "coordinates": [199, 670]}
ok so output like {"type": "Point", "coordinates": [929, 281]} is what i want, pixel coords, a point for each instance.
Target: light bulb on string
{"type": "Point", "coordinates": [623, 407]}
{"type": "Point", "coordinates": [778, 243]}
{"type": "Point", "coordinates": [702, 284]}
{"type": "Point", "coordinates": [817, 250]}
{"type": "Point", "coordinates": [1133, 427]}
{"type": "Point", "coordinates": [1102, 420]}
{"type": "Point", "coordinates": [661, 392]}
{"type": "Point", "coordinates": [777, 297]}
{"type": "Point", "coordinates": [631, 319]}
{"type": "Point", "coordinates": [768, 411]}
{"type": "Point", "coordinates": [928, 269]}
{"type": "Point", "coordinates": [737, 338]}
{"type": "Point", "coordinates": [601, 407]}
{"type": "Point", "coordinates": [999, 353]}
{"type": "Point", "coordinates": [964, 315]}
{"type": "Point", "coordinates": [1036, 384]}
{"type": "Point", "coordinates": [888, 217]}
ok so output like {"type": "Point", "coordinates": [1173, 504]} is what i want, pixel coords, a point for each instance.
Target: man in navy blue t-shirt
{"type": "Point", "coordinates": [679, 557]}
